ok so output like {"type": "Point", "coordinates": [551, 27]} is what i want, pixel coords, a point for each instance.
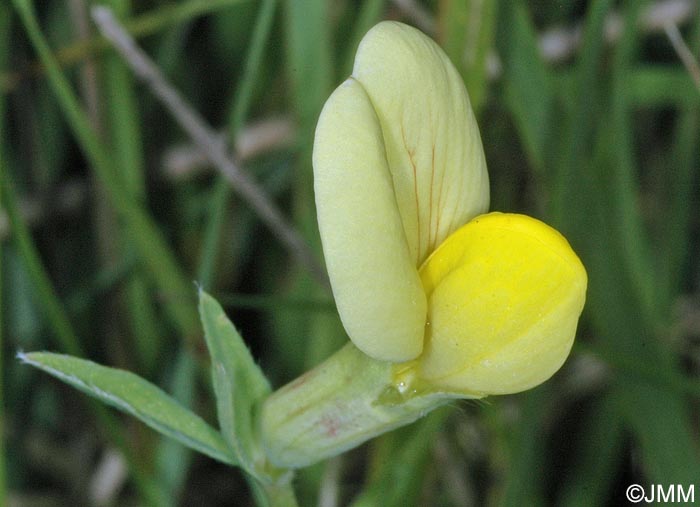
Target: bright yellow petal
{"type": "Point", "coordinates": [374, 278]}
{"type": "Point", "coordinates": [504, 296]}
{"type": "Point", "coordinates": [433, 145]}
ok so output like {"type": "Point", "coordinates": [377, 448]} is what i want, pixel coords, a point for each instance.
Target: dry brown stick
{"type": "Point", "coordinates": [69, 198]}
{"type": "Point", "coordinates": [684, 52]}
{"type": "Point", "coordinates": [207, 140]}
{"type": "Point", "coordinates": [257, 137]}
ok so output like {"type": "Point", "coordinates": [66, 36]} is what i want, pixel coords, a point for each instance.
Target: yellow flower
{"type": "Point", "coordinates": [489, 307]}
{"type": "Point", "coordinates": [440, 300]}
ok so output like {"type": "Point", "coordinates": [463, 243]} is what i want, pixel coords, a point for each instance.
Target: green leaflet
{"type": "Point", "coordinates": [134, 395]}
{"type": "Point", "coordinates": [240, 387]}
{"type": "Point", "coordinates": [239, 383]}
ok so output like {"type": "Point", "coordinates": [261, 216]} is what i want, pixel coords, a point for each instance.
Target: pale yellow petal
{"type": "Point", "coordinates": [374, 278]}
{"type": "Point", "coordinates": [433, 145]}
{"type": "Point", "coordinates": [505, 293]}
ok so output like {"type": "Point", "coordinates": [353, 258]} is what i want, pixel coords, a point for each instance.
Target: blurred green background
{"type": "Point", "coordinates": [590, 118]}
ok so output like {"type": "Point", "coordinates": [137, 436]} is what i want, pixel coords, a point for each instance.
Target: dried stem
{"type": "Point", "coordinates": [179, 162]}
{"type": "Point", "coordinates": [258, 137]}
{"type": "Point", "coordinates": [684, 52]}
{"type": "Point", "coordinates": [206, 139]}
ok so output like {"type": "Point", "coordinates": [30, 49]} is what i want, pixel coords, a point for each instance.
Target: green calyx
{"type": "Point", "coordinates": [343, 402]}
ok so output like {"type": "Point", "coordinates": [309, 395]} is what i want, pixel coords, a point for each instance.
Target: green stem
{"type": "Point", "coordinates": [340, 404]}
{"type": "Point", "coordinates": [273, 494]}
{"type": "Point", "coordinates": [281, 496]}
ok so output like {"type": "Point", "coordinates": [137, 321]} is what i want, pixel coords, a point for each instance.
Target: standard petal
{"type": "Point", "coordinates": [374, 278]}
{"type": "Point", "coordinates": [433, 145]}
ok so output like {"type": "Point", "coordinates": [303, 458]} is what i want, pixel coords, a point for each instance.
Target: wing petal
{"type": "Point", "coordinates": [375, 281]}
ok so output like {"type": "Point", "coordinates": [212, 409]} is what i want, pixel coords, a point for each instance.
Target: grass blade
{"type": "Point", "coordinates": [239, 112]}
{"type": "Point", "coordinates": [147, 239]}
{"type": "Point", "coordinates": [172, 459]}
{"type": "Point", "coordinates": [406, 459]}
{"type": "Point", "coordinates": [5, 26]}
{"type": "Point", "coordinates": [525, 479]}
{"type": "Point", "coordinates": [677, 218]}
{"type": "Point", "coordinates": [122, 119]}
{"type": "Point", "coordinates": [467, 32]}
{"type": "Point", "coordinates": [528, 87]}
{"type": "Point", "coordinates": [597, 457]}
{"type": "Point", "coordinates": [150, 22]}
{"type": "Point", "coordinates": [579, 131]}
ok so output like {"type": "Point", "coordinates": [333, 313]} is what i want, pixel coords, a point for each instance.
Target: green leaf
{"type": "Point", "coordinates": [240, 387]}
{"type": "Point", "coordinates": [134, 395]}
{"type": "Point", "coordinates": [309, 57]}
{"type": "Point", "coordinates": [239, 383]}
{"type": "Point", "coordinates": [242, 100]}
{"type": "Point", "coordinates": [626, 218]}
{"type": "Point", "coordinates": [309, 62]}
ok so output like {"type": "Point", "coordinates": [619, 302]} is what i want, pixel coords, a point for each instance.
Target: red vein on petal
{"type": "Point", "coordinates": [431, 242]}
{"type": "Point", "coordinates": [415, 191]}
{"type": "Point", "coordinates": [458, 202]}
{"type": "Point", "coordinates": [439, 206]}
